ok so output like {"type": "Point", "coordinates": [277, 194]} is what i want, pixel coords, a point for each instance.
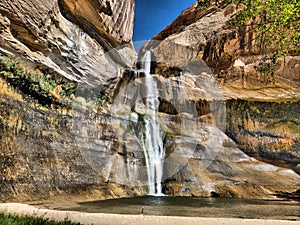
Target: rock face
{"type": "Point", "coordinates": [75, 39]}
{"type": "Point", "coordinates": [217, 168]}
{"type": "Point", "coordinates": [70, 37]}
{"type": "Point", "coordinates": [112, 19]}
{"type": "Point", "coordinates": [269, 131]}
{"type": "Point", "coordinates": [61, 138]}
{"type": "Point", "coordinates": [205, 35]}
{"type": "Point", "coordinates": [262, 110]}
{"type": "Point", "coordinates": [43, 157]}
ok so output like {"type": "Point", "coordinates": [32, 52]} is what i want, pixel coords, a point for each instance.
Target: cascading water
{"type": "Point", "coordinates": [153, 144]}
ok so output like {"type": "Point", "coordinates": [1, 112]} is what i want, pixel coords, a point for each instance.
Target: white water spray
{"type": "Point", "coordinates": [153, 144]}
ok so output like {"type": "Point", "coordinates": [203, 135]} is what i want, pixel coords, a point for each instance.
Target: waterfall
{"type": "Point", "coordinates": [153, 144]}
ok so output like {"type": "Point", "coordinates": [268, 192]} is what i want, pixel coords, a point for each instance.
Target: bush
{"type": "Point", "coordinates": [27, 220]}
{"type": "Point", "coordinates": [44, 86]}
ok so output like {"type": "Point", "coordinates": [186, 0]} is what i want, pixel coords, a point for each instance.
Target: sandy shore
{"type": "Point", "coordinates": [100, 218]}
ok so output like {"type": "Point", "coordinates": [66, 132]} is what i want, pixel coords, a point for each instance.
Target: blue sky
{"type": "Point", "coordinates": [151, 16]}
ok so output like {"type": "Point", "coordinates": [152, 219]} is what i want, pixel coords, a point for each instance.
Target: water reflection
{"type": "Point", "coordinates": [196, 207]}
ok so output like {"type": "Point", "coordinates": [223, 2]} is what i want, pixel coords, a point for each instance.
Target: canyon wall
{"type": "Point", "coordinates": [48, 49]}
{"type": "Point", "coordinates": [71, 106]}
{"type": "Point", "coordinates": [262, 109]}
{"type": "Point", "coordinates": [69, 37]}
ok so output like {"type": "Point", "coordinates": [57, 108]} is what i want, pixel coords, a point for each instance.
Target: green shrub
{"type": "Point", "coordinates": [27, 220]}
{"type": "Point", "coordinates": [44, 86]}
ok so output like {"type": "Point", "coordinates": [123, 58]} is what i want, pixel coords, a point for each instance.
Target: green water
{"type": "Point", "coordinates": [196, 207]}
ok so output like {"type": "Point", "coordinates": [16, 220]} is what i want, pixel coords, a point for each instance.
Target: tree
{"type": "Point", "coordinates": [275, 23]}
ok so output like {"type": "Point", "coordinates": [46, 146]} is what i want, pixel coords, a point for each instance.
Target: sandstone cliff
{"type": "Point", "coordinates": [47, 49]}
{"type": "Point", "coordinates": [61, 138]}
{"type": "Point", "coordinates": [262, 109]}
{"type": "Point", "coordinates": [69, 37]}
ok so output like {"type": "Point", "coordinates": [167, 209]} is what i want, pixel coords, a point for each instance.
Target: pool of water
{"type": "Point", "coordinates": [196, 207]}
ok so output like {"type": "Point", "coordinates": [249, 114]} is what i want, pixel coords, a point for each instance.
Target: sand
{"type": "Point", "coordinates": [116, 219]}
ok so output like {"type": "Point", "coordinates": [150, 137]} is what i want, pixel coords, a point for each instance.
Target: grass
{"type": "Point", "coordinates": [27, 220]}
